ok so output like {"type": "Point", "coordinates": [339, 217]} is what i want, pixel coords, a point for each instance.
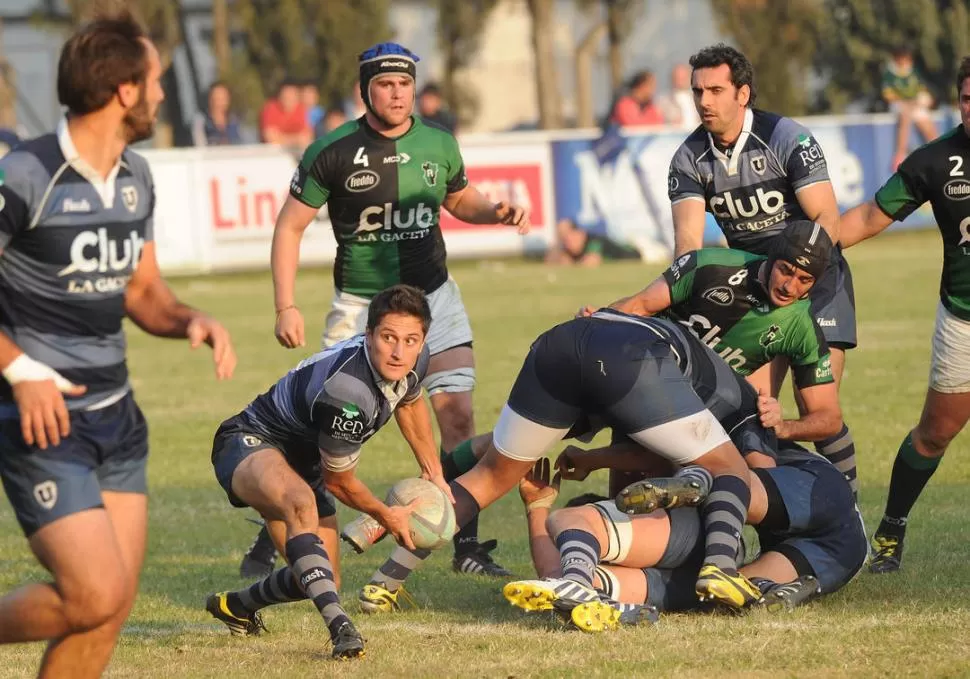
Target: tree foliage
{"type": "Point", "coordinates": [460, 26]}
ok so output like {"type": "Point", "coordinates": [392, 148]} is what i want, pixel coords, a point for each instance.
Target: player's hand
{"type": "Point", "coordinates": [513, 215]}
{"type": "Point", "coordinates": [44, 419]}
{"type": "Point", "coordinates": [203, 328]}
{"type": "Point", "coordinates": [289, 328]}
{"type": "Point", "coordinates": [396, 520]}
{"type": "Point", "coordinates": [573, 463]}
{"type": "Point", "coordinates": [439, 481]}
{"type": "Point", "coordinates": [537, 489]}
{"type": "Point", "coordinates": [585, 311]}
{"type": "Point", "coordinates": [769, 410]}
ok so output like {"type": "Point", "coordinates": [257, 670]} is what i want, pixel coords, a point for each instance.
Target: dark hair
{"type": "Point", "coordinates": [430, 88]}
{"type": "Point", "coordinates": [742, 73]}
{"type": "Point", "coordinates": [216, 85]}
{"type": "Point", "coordinates": [399, 299]}
{"type": "Point", "coordinates": [98, 59]}
{"type": "Point", "coordinates": [639, 78]}
{"type": "Point", "coordinates": [901, 51]}
{"type": "Point", "coordinates": [963, 73]}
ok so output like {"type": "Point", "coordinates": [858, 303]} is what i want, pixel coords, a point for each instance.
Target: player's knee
{"type": "Point", "coordinates": [299, 508]}
{"type": "Point", "coordinates": [455, 419]}
{"type": "Point", "coordinates": [582, 518]}
{"type": "Point", "coordinates": [932, 441]}
{"type": "Point", "coordinates": [97, 604]}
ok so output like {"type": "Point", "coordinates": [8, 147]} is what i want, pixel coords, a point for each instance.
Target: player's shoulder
{"type": "Point", "coordinates": [779, 131]}
{"type": "Point", "coordinates": [945, 143]}
{"type": "Point", "coordinates": [433, 129]}
{"type": "Point", "coordinates": [332, 139]}
{"type": "Point", "coordinates": [694, 146]}
{"type": "Point", "coordinates": [28, 168]}
{"type": "Point", "coordinates": [138, 165]}
{"type": "Point", "coordinates": [725, 257]}
{"type": "Point", "coordinates": [348, 378]}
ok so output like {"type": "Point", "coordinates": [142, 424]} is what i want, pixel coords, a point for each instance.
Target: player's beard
{"type": "Point", "coordinates": [139, 121]}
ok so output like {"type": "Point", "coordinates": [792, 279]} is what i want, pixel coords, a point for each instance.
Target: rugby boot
{"type": "Point", "coordinates": [249, 626]}
{"type": "Point", "coordinates": [260, 559]}
{"type": "Point", "coordinates": [606, 615]}
{"type": "Point", "coordinates": [377, 598]}
{"type": "Point", "coordinates": [347, 642]}
{"type": "Point", "coordinates": [734, 591]}
{"type": "Point", "coordinates": [887, 554]}
{"type": "Point", "coordinates": [777, 598]}
{"type": "Point", "coordinates": [548, 594]}
{"type": "Point", "coordinates": [478, 561]}
{"type": "Point", "coordinates": [645, 496]}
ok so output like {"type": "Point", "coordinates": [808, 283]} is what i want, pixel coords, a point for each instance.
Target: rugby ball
{"type": "Point", "coordinates": [432, 523]}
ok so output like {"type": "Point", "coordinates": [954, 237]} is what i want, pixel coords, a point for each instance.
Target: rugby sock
{"type": "Point", "coordinates": [724, 512]}
{"type": "Point", "coordinates": [454, 464]}
{"type": "Point", "coordinates": [579, 554]}
{"type": "Point", "coordinates": [393, 572]}
{"type": "Point", "coordinates": [840, 451]}
{"type": "Point", "coordinates": [699, 475]}
{"type": "Point", "coordinates": [314, 576]}
{"type": "Point", "coordinates": [279, 587]}
{"type": "Point", "coordinates": [911, 471]}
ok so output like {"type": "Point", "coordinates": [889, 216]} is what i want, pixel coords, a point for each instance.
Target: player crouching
{"type": "Point", "coordinates": [295, 447]}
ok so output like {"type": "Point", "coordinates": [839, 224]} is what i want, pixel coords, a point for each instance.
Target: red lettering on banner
{"type": "Point", "coordinates": [252, 208]}
{"type": "Point", "coordinates": [519, 184]}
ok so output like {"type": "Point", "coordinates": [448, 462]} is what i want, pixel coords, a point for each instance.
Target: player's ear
{"type": "Point", "coordinates": [744, 94]}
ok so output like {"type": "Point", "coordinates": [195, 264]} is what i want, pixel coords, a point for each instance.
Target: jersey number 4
{"type": "Point", "coordinates": [360, 158]}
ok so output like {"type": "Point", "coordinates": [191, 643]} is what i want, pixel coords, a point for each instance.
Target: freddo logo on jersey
{"type": "Point", "coordinates": [957, 189]}
{"type": "Point", "coordinates": [362, 180]}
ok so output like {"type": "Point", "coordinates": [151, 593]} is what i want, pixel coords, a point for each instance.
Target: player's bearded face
{"type": "Point", "coordinates": [718, 102]}
{"type": "Point", "coordinates": [395, 344]}
{"type": "Point", "coordinates": [965, 104]}
{"type": "Point", "coordinates": [392, 98]}
{"type": "Point", "coordinates": [787, 283]}
{"type": "Point", "coordinates": [139, 120]}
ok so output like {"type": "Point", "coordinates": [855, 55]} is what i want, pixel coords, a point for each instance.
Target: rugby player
{"type": "Point", "coordinates": [298, 443]}
{"type": "Point", "coordinates": [384, 178]}
{"type": "Point", "coordinates": [755, 171]}
{"type": "Point", "coordinates": [938, 173]}
{"type": "Point", "coordinates": [650, 380]}
{"type": "Point", "coordinates": [811, 536]}
{"type": "Point", "coordinates": [78, 255]}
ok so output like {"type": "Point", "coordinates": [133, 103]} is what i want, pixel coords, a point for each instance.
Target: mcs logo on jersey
{"type": "Point", "coordinates": [394, 225]}
{"type": "Point", "coordinates": [95, 252]}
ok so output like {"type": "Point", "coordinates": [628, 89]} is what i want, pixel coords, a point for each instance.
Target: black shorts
{"type": "Point", "coordinates": [235, 440]}
{"type": "Point", "coordinates": [107, 449]}
{"type": "Point", "coordinates": [833, 305]}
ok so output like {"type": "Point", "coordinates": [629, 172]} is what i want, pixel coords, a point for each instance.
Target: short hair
{"type": "Point", "coordinates": [399, 299]}
{"type": "Point", "coordinates": [742, 72]}
{"type": "Point", "coordinates": [639, 78]}
{"type": "Point", "coordinates": [430, 88]}
{"type": "Point", "coordinates": [901, 51]}
{"type": "Point", "coordinates": [963, 73]}
{"type": "Point", "coordinates": [217, 84]}
{"type": "Point", "coordinates": [99, 58]}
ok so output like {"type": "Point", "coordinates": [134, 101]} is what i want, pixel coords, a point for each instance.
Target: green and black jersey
{"type": "Point", "coordinates": [717, 294]}
{"type": "Point", "coordinates": [939, 172]}
{"type": "Point", "coordinates": [384, 196]}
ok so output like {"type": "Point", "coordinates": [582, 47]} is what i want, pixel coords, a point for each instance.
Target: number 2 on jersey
{"type": "Point", "coordinates": [360, 158]}
{"type": "Point", "coordinates": [957, 164]}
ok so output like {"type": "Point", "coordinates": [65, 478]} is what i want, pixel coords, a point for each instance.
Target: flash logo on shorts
{"type": "Point", "coordinates": [46, 494]}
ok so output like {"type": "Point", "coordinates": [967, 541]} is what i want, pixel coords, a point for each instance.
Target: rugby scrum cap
{"type": "Point", "coordinates": [804, 244]}
{"type": "Point", "coordinates": [385, 57]}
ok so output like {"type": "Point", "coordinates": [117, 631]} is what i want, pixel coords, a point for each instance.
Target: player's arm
{"type": "Point", "coordinates": [687, 202]}
{"type": "Point", "coordinates": [807, 172]}
{"type": "Point", "coordinates": [538, 492]}
{"type": "Point", "coordinates": [468, 204]}
{"type": "Point", "coordinates": [821, 415]}
{"type": "Point", "coordinates": [862, 222]}
{"type": "Point", "coordinates": [904, 192]}
{"type": "Point", "coordinates": [819, 204]}
{"type": "Point", "coordinates": [575, 464]}
{"type": "Point", "coordinates": [414, 420]}
{"type": "Point", "coordinates": [153, 307]}
{"type": "Point", "coordinates": [671, 287]}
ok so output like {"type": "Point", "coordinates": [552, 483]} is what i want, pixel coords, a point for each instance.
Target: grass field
{"type": "Point", "coordinates": [910, 624]}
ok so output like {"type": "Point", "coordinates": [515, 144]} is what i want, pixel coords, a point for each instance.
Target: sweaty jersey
{"type": "Point", "coordinates": [384, 197]}
{"type": "Point", "coordinates": [749, 188]}
{"type": "Point", "coordinates": [71, 241]}
{"type": "Point", "coordinates": [939, 172]}
{"type": "Point", "coordinates": [335, 400]}
{"type": "Point", "coordinates": [717, 294]}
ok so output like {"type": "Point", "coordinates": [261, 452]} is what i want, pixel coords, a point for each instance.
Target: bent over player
{"type": "Point", "coordinates": [78, 256]}
{"type": "Point", "coordinates": [938, 173]}
{"type": "Point", "coordinates": [384, 179]}
{"type": "Point", "coordinates": [293, 446]}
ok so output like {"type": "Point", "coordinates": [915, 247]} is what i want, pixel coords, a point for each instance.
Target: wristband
{"type": "Point", "coordinates": [286, 308]}
{"type": "Point", "coordinates": [25, 369]}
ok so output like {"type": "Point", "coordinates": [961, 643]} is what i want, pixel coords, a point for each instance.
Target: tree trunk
{"type": "Point", "coordinates": [547, 86]}
{"type": "Point", "coordinates": [584, 75]}
{"type": "Point", "coordinates": [8, 89]}
{"type": "Point", "coordinates": [614, 19]}
{"type": "Point", "coordinates": [220, 36]}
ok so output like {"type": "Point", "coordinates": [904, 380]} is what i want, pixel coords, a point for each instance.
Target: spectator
{"type": "Point", "coordinates": [637, 106]}
{"type": "Point", "coordinates": [283, 120]}
{"type": "Point", "coordinates": [218, 125]}
{"type": "Point", "coordinates": [354, 104]}
{"type": "Point", "coordinates": [904, 90]}
{"type": "Point", "coordinates": [575, 246]}
{"type": "Point", "coordinates": [310, 98]}
{"type": "Point", "coordinates": [8, 140]}
{"type": "Point", "coordinates": [332, 119]}
{"type": "Point", "coordinates": [678, 106]}
{"type": "Point", "coordinates": [431, 109]}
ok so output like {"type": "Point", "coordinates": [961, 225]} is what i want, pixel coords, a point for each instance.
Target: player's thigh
{"type": "Point", "coordinates": [347, 317]}
{"type": "Point", "coordinates": [634, 541]}
{"type": "Point", "coordinates": [266, 482]}
{"type": "Point", "coordinates": [450, 380]}
{"type": "Point", "coordinates": [128, 513]}
{"type": "Point", "coordinates": [621, 583]}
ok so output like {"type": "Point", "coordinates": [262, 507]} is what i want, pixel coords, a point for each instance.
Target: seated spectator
{"type": "Point", "coordinates": [283, 120]}
{"type": "Point", "coordinates": [678, 106]}
{"type": "Point", "coordinates": [431, 108]}
{"type": "Point", "coordinates": [218, 125]}
{"type": "Point", "coordinates": [904, 90]}
{"type": "Point", "coordinates": [575, 246]}
{"type": "Point", "coordinates": [332, 119]}
{"type": "Point", "coordinates": [310, 98]}
{"type": "Point", "coordinates": [637, 107]}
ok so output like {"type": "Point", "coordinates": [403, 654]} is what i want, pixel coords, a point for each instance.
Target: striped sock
{"type": "Point", "coordinates": [840, 451]}
{"type": "Point", "coordinates": [314, 575]}
{"type": "Point", "coordinates": [701, 476]}
{"type": "Point", "coordinates": [279, 587]}
{"type": "Point", "coordinates": [724, 512]}
{"type": "Point", "coordinates": [579, 554]}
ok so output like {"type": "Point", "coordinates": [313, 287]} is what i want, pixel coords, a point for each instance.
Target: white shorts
{"type": "Point", "coordinates": [449, 328]}
{"type": "Point", "coordinates": [950, 360]}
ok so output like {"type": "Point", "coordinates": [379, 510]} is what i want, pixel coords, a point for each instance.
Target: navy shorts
{"type": "Point", "coordinates": [107, 449]}
{"type": "Point", "coordinates": [824, 535]}
{"type": "Point", "coordinates": [235, 440]}
{"type": "Point", "coordinates": [833, 305]}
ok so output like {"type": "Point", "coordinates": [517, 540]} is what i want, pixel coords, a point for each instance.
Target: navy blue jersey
{"type": "Point", "coordinates": [71, 241]}
{"type": "Point", "coordinates": [334, 400]}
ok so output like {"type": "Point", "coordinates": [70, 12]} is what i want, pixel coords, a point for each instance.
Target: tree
{"type": "Point", "coordinates": [780, 39]}
{"type": "Point", "coordinates": [460, 28]}
{"type": "Point", "coordinates": [8, 89]}
{"type": "Point", "coordinates": [546, 71]}
{"type": "Point", "coordinates": [221, 46]}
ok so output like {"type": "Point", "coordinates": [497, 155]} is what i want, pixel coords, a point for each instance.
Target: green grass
{"type": "Point", "coordinates": [909, 624]}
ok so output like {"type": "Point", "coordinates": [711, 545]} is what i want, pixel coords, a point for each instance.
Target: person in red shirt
{"type": "Point", "coordinates": [637, 107]}
{"type": "Point", "coordinates": [283, 120]}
